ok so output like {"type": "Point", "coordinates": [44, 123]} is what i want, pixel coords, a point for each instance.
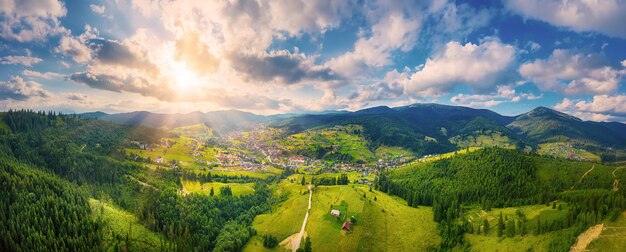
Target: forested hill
{"type": "Point", "coordinates": [221, 121]}
{"type": "Point", "coordinates": [434, 128]}
{"type": "Point", "coordinates": [422, 128]}
{"type": "Point", "coordinates": [498, 178]}
{"type": "Point", "coordinates": [53, 166]}
{"type": "Point", "coordinates": [546, 125]}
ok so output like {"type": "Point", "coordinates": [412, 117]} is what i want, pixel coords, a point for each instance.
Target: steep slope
{"type": "Point", "coordinates": [542, 125]}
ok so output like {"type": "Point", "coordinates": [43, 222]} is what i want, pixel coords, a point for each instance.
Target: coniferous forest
{"type": "Point", "coordinates": [497, 178]}
{"type": "Point", "coordinates": [53, 163]}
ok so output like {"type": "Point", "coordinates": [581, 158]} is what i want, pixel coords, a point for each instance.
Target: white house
{"type": "Point", "coordinates": [335, 212]}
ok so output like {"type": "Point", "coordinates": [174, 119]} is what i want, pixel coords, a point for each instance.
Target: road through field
{"type": "Point", "coordinates": [295, 242]}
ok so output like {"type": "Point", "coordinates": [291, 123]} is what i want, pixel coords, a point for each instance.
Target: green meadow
{"type": "Point", "coordinates": [205, 188]}
{"type": "Point", "coordinates": [123, 230]}
{"type": "Point", "coordinates": [612, 237]}
{"type": "Point", "coordinates": [566, 150]}
{"type": "Point", "coordinates": [382, 222]}
{"type": "Point", "coordinates": [494, 139]}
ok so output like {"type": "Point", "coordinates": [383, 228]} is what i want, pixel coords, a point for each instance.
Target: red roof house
{"type": "Point", "coordinates": [345, 226]}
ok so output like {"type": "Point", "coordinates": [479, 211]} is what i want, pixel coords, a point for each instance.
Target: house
{"type": "Point", "coordinates": [345, 226]}
{"type": "Point", "coordinates": [335, 213]}
{"type": "Point", "coordinates": [159, 160]}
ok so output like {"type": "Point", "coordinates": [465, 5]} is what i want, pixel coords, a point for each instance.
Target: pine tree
{"type": "Point", "coordinates": [212, 192]}
{"type": "Point", "coordinates": [538, 225]}
{"type": "Point", "coordinates": [522, 228]}
{"type": "Point", "coordinates": [307, 244]}
{"type": "Point", "coordinates": [510, 228]}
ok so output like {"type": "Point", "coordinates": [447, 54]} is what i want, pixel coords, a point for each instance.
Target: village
{"type": "Point", "coordinates": [254, 151]}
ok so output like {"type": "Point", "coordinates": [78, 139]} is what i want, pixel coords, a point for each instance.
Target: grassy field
{"type": "Point", "coordinates": [530, 213]}
{"type": "Point", "coordinates": [566, 150]}
{"type": "Point", "coordinates": [411, 165]}
{"type": "Point", "coordinates": [205, 188]}
{"type": "Point", "coordinates": [181, 150]}
{"type": "Point", "coordinates": [613, 236]}
{"type": "Point", "coordinates": [390, 152]}
{"type": "Point", "coordinates": [198, 131]}
{"type": "Point", "coordinates": [252, 174]}
{"type": "Point", "coordinates": [382, 222]}
{"type": "Point", "coordinates": [528, 242]}
{"type": "Point", "coordinates": [344, 140]}
{"type": "Point", "coordinates": [535, 243]}
{"type": "Point", "coordinates": [352, 176]}
{"type": "Point", "coordinates": [285, 219]}
{"type": "Point", "coordinates": [549, 170]}
{"type": "Point", "coordinates": [120, 224]}
{"type": "Point", "coordinates": [483, 140]}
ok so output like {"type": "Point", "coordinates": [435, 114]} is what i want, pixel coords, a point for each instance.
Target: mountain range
{"type": "Point", "coordinates": [424, 128]}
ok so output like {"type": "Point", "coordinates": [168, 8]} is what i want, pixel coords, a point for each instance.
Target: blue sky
{"type": "Point", "coordinates": [283, 56]}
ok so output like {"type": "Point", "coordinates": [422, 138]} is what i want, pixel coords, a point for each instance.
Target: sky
{"type": "Point", "coordinates": [299, 56]}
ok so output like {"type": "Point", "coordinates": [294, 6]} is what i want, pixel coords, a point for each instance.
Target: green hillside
{"type": "Point", "coordinates": [466, 189]}
{"type": "Point", "coordinates": [342, 143]}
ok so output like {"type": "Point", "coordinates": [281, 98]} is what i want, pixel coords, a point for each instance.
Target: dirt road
{"type": "Point", "coordinates": [584, 175]}
{"type": "Point", "coordinates": [295, 242]}
{"type": "Point", "coordinates": [616, 182]}
{"type": "Point", "coordinates": [586, 238]}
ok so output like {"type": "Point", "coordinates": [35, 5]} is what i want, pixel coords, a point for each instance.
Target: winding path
{"type": "Point", "coordinates": [616, 181]}
{"type": "Point", "coordinates": [296, 239]}
{"type": "Point", "coordinates": [141, 182]}
{"type": "Point", "coordinates": [584, 175]}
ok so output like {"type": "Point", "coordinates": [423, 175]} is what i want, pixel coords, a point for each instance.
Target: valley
{"type": "Point", "coordinates": [313, 125]}
{"type": "Point", "coordinates": [340, 184]}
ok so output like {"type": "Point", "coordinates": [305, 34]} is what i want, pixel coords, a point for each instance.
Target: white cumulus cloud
{"type": "Point", "coordinates": [480, 66]}
{"type": "Point", "coordinates": [30, 20]}
{"type": "Point", "coordinates": [572, 73]}
{"type": "Point", "coordinates": [599, 108]}
{"type": "Point", "coordinates": [603, 16]}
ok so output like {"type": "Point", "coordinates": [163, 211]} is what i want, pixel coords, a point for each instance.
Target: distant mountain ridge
{"type": "Point", "coordinates": [424, 128]}
{"type": "Point", "coordinates": [221, 121]}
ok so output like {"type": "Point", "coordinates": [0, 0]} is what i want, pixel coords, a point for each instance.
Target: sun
{"type": "Point", "coordinates": [184, 78]}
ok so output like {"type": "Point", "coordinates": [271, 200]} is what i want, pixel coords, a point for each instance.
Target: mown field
{"type": "Point", "coordinates": [285, 218]}
{"type": "Point", "coordinates": [382, 221]}
{"type": "Point", "coordinates": [205, 188]}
